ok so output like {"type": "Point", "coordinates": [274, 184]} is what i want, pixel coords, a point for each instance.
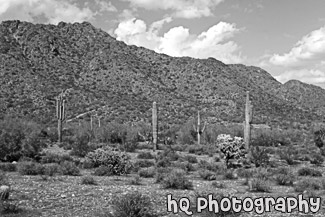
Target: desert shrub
{"type": "Point", "coordinates": [51, 169]}
{"type": "Point", "coordinates": [19, 138]}
{"type": "Point", "coordinates": [163, 162]}
{"type": "Point", "coordinates": [81, 143]}
{"type": "Point", "coordinates": [203, 164]}
{"type": "Point", "coordinates": [186, 166]}
{"type": "Point", "coordinates": [130, 146]}
{"type": "Point", "coordinates": [145, 155]}
{"type": "Point", "coordinates": [103, 171]}
{"type": "Point", "coordinates": [289, 154]}
{"type": "Point", "coordinates": [8, 167]}
{"type": "Point", "coordinates": [245, 173]}
{"type": "Point", "coordinates": [3, 178]}
{"type": "Point", "coordinates": [260, 185]}
{"type": "Point", "coordinates": [307, 171]}
{"type": "Point", "coordinates": [191, 159]}
{"type": "Point", "coordinates": [176, 179]}
{"type": "Point", "coordinates": [207, 174]}
{"type": "Point", "coordinates": [144, 163]}
{"type": "Point", "coordinates": [30, 168]}
{"type": "Point", "coordinates": [133, 204]}
{"type": "Point", "coordinates": [149, 172]}
{"type": "Point", "coordinates": [318, 138]}
{"type": "Point", "coordinates": [87, 164]}
{"type": "Point", "coordinates": [119, 163]}
{"type": "Point", "coordinates": [284, 176]}
{"type": "Point", "coordinates": [54, 158]}
{"type": "Point", "coordinates": [136, 180]}
{"type": "Point", "coordinates": [217, 184]}
{"type": "Point", "coordinates": [161, 172]}
{"type": "Point", "coordinates": [309, 184]}
{"type": "Point", "coordinates": [317, 159]}
{"type": "Point", "coordinates": [88, 180]}
{"type": "Point", "coordinates": [230, 174]}
{"type": "Point", "coordinates": [217, 158]}
{"type": "Point", "coordinates": [69, 168]}
{"type": "Point", "coordinates": [259, 156]}
{"type": "Point", "coordinates": [167, 153]}
{"type": "Point", "coordinates": [232, 148]}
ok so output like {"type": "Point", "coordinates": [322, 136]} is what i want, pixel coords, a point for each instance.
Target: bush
{"type": "Point", "coordinates": [176, 179]}
{"type": "Point", "coordinates": [88, 180]}
{"type": "Point", "coordinates": [260, 185]}
{"type": "Point", "coordinates": [306, 171]}
{"type": "Point", "coordinates": [191, 159]}
{"type": "Point", "coordinates": [103, 171]}
{"type": "Point", "coordinates": [81, 143]}
{"type": "Point", "coordinates": [133, 204]}
{"type": "Point", "coordinates": [203, 164]}
{"type": "Point", "coordinates": [186, 166]}
{"type": "Point", "coordinates": [19, 138]}
{"type": "Point", "coordinates": [118, 163]}
{"type": "Point", "coordinates": [284, 176]}
{"type": "Point", "coordinates": [317, 159]}
{"type": "Point", "coordinates": [51, 169]}
{"type": "Point", "coordinates": [54, 158]}
{"type": "Point", "coordinates": [3, 178]}
{"type": "Point", "coordinates": [69, 168]}
{"type": "Point", "coordinates": [230, 175]}
{"type": "Point", "coordinates": [144, 163]}
{"type": "Point", "coordinates": [145, 155]}
{"type": "Point", "coordinates": [290, 154]}
{"type": "Point", "coordinates": [130, 146]}
{"type": "Point", "coordinates": [30, 168]}
{"type": "Point", "coordinates": [136, 180]}
{"type": "Point", "coordinates": [217, 184]}
{"type": "Point", "coordinates": [147, 172]}
{"type": "Point", "coordinates": [161, 172]}
{"type": "Point", "coordinates": [309, 184]}
{"type": "Point", "coordinates": [259, 156]}
{"type": "Point", "coordinates": [8, 167]}
{"type": "Point", "coordinates": [207, 175]}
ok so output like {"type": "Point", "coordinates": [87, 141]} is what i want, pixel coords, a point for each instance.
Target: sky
{"type": "Point", "coordinates": [284, 37]}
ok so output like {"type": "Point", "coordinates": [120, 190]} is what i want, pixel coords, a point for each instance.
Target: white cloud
{"type": "Point", "coordinates": [181, 8]}
{"type": "Point", "coordinates": [310, 76]}
{"type": "Point", "coordinates": [53, 10]}
{"type": "Point", "coordinates": [310, 48]}
{"type": "Point", "coordinates": [215, 42]}
{"type": "Point", "coordinates": [105, 6]}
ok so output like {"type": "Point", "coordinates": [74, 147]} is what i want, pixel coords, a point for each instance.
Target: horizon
{"type": "Point", "coordinates": [289, 46]}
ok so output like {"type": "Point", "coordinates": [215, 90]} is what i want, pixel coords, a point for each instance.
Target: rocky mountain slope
{"type": "Point", "coordinates": [120, 82]}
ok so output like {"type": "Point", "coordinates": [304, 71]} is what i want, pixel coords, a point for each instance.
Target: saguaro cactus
{"type": "Point", "coordinates": [198, 129]}
{"type": "Point", "coordinates": [154, 125]}
{"type": "Point", "coordinates": [248, 121]}
{"type": "Point", "coordinates": [60, 114]}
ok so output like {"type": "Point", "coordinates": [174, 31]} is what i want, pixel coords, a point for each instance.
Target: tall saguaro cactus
{"type": "Point", "coordinates": [154, 125]}
{"type": "Point", "coordinates": [198, 129]}
{"type": "Point", "coordinates": [248, 121]}
{"type": "Point", "coordinates": [60, 114]}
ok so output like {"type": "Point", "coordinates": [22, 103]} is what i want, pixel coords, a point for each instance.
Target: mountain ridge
{"type": "Point", "coordinates": [120, 82]}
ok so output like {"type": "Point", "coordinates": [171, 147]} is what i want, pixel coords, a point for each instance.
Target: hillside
{"type": "Point", "coordinates": [99, 73]}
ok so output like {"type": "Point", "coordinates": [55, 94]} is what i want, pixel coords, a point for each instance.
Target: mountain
{"type": "Point", "coordinates": [119, 82]}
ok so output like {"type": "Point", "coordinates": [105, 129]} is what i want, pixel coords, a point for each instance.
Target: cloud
{"type": "Point", "coordinates": [215, 42]}
{"type": "Point", "coordinates": [310, 76]}
{"type": "Point", "coordinates": [309, 49]}
{"type": "Point", "coordinates": [105, 6]}
{"type": "Point", "coordinates": [53, 11]}
{"type": "Point", "coordinates": [181, 8]}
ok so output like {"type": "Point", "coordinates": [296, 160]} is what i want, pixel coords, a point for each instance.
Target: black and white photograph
{"type": "Point", "coordinates": [162, 108]}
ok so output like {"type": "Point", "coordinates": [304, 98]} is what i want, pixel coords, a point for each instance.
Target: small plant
{"type": "Point", "coordinates": [207, 174]}
{"type": "Point", "coordinates": [260, 185]}
{"type": "Point", "coordinates": [103, 171]}
{"type": "Point", "coordinates": [133, 204]}
{"type": "Point", "coordinates": [136, 180]}
{"type": "Point", "coordinates": [191, 159]}
{"type": "Point", "coordinates": [8, 167]}
{"type": "Point", "coordinates": [306, 171]}
{"type": "Point", "coordinates": [230, 175]}
{"type": "Point", "coordinates": [88, 180]}
{"type": "Point", "coordinates": [145, 155]}
{"type": "Point", "coordinates": [217, 184]}
{"type": "Point", "coordinates": [144, 163]}
{"type": "Point", "coordinates": [30, 168]}
{"type": "Point", "coordinates": [317, 159]}
{"type": "Point", "coordinates": [54, 158]}
{"type": "Point", "coordinates": [309, 184]}
{"type": "Point", "coordinates": [259, 156]}
{"type": "Point", "coordinates": [149, 172]}
{"type": "Point", "coordinates": [69, 168]}
{"type": "Point", "coordinates": [284, 176]}
{"type": "Point", "coordinates": [176, 179]}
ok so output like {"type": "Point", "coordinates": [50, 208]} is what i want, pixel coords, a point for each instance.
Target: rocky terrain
{"type": "Point", "coordinates": [119, 82]}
